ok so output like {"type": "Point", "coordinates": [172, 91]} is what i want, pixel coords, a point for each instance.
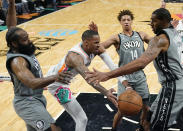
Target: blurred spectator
{"type": "Point", "coordinates": [2, 14]}
{"type": "Point", "coordinates": [5, 4]}
{"type": "Point", "coordinates": [22, 7]}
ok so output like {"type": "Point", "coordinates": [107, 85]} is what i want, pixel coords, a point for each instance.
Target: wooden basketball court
{"type": "Point", "coordinates": [54, 34]}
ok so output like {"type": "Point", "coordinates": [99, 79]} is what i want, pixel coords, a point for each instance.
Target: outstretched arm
{"type": "Point", "coordinates": [109, 62]}
{"type": "Point", "coordinates": [20, 68]}
{"type": "Point", "coordinates": [157, 44]}
{"type": "Point", "coordinates": [75, 61]}
{"type": "Point", "coordinates": [11, 20]}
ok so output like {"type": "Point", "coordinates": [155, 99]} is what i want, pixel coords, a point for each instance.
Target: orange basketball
{"type": "Point", "coordinates": [130, 103]}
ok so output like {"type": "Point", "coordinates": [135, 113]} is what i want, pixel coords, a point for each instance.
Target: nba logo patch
{"type": "Point", "coordinates": [40, 124]}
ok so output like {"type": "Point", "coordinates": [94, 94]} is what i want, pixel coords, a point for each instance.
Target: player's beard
{"type": "Point", "coordinates": [27, 49]}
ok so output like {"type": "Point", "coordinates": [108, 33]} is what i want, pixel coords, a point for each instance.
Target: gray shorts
{"type": "Point", "coordinates": [141, 88]}
{"type": "Point", "coordinates": [33, 111]}
{"type": "Point", "coordinates": [167, 105]}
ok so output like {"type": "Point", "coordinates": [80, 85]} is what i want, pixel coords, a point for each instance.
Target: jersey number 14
{"type": "Point", "coordinates": [134, 54]}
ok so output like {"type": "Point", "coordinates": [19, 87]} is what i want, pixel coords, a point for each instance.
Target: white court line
{"type": "Point", "coordinates": [132, 121]}
{"type": "Point", "coordinates": [109, 108]}
{"type": "Point", "coordinates": [173, 129]}
{"type": "Point", "coordinates": [104, 128]}
{"type": "Point", "coordinates": [80, 24]}
{"type": "Point", "coordinates": [55, 118]}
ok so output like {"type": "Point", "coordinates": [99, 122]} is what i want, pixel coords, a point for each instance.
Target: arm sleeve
{"type": "Point", "coordinates": [108, 61]}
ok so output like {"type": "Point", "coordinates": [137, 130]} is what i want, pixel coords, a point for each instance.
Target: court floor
{"type": "Point", "coordinates": [54, 34]}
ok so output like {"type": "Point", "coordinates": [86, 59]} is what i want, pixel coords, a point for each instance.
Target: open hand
{"type": "Point", "coordinates": [93, 26]}
{"type": "Point", "coordinates": [96, 76]}
{"type": "Point", "coordinates": [175, 22]}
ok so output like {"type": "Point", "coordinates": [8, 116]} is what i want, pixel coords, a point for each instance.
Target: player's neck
{"type": "Point", "coordinates": [128, 32]}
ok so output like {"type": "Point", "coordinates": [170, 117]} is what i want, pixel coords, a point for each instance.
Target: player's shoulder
{"type": "Point", "coordinates": [142, 34]}
{"type": "Point", "coordinates": [161, 40]}
{"type": "Point", "coordinates": [74, 56]}
{"type": "Point", "coordinates": [19, 62]}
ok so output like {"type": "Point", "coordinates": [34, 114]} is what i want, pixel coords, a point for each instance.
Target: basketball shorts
{"type": "Point", "coordinates": [61, 92]}
{"type": "Point", "coordinates": [33, 111]}
{"type": "Point", "coordinates": [167, 106]}
{"type": "Point", "coordinates": [141, 88]}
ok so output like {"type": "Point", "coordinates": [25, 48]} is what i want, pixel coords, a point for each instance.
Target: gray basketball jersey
{"type": "Point", "coordinates": [19, 88]}
{"type": "Point", "coordinates": [131, 48]}
{"type": "Point", "coordinates": [168, 64]}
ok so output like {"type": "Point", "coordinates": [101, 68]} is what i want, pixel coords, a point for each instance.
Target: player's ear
{"type": "Point", "coordinates": [14, 44]}
{"type": "Point", "coordinates": [86, 42]}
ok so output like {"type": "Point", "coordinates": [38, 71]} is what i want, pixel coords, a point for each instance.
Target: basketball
{"type": "Point", "coordinates": [130, 103]}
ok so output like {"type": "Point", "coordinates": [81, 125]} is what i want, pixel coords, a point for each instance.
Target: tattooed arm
{"type": "Point", "coordinates": [156, 45]}
{"type": "Point", "coordinates": [75, 61]}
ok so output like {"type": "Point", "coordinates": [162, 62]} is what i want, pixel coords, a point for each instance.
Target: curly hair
{"type": "Point", "coordinates": [125, 12]}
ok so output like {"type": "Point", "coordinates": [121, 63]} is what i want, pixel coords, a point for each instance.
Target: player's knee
{"type": "Point", "coordinates": [84, 120]}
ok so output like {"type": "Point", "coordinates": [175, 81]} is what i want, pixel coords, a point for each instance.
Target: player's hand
{"type": "Point", "coordinates": [96, 76]}
{"type": "Point", "coordinates": [112, 97]}
{"type": "Point", "coordinates": [93, 26]}
{"type": "Point", "coordinates": [175, 23]}
{"type": "Point", "coordinates": [64, 77]}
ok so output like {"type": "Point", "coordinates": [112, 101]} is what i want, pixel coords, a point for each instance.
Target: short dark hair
{"type": "Point", "coordinates": [88, 34]}
{"type": "Point", "coordinates": [11, 35]}
{"type": "Point", "coordinates": [125, 12]}
{"type": "Point", "coordinates": [162, 14]}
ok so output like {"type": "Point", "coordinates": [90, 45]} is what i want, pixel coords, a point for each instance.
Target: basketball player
{"type": "Point", "coordinates": [26, 75]}
{"type": "Point", "coordinates": [129, 45]}
{"type": "Point", "coordinates": [167, 108]}
{"type": "Point", "coordinates": [178, 25]}
{"type": "Point", "coordinates": [77, 60]}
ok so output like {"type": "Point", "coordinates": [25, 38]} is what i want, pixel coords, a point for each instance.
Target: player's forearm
{"type": "Point", "coordinates": [99, 88]}
{"type": "Point", "coordinates": [127, 69]}
{"type": "Point", "coordinates": [11, 16]}
{"type": "Point", "coordinates": [108, 61]}
{"type": "Point", "coordinates": [41, 82]}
